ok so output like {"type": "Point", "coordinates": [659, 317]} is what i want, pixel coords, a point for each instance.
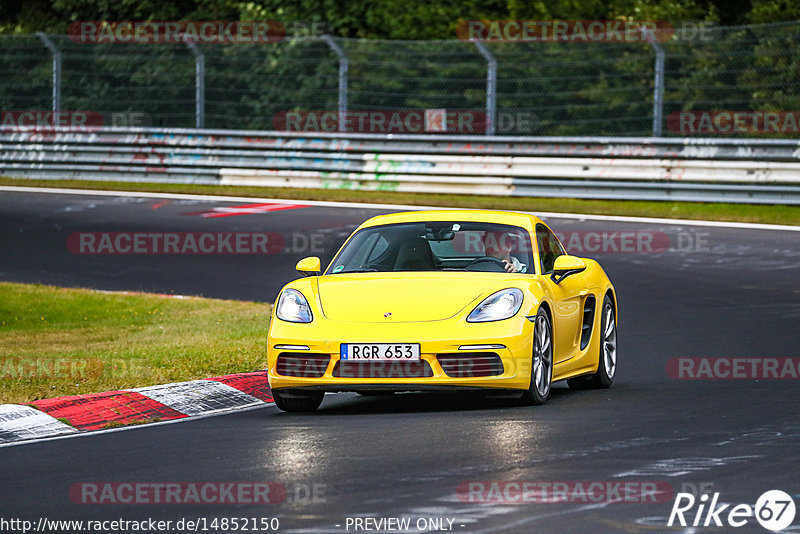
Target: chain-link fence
{"type": "Point", "coordinates": [512, 88]}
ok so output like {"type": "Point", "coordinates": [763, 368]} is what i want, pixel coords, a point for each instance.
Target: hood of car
{"type": "Point", "coordinates": [400, 297]}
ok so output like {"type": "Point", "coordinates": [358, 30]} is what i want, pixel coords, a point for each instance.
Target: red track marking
{"type": "Point", "coordinates": [254, 384]}
{"type": "Point", "coordinates": [93, 412]}
{"type": "Point", "coordinates": [245, 209]}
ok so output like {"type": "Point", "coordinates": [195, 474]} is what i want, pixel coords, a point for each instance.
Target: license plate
{"type": "Point", "coordinates": [379, 352]}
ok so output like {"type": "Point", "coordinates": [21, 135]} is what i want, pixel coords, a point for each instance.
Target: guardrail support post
{"type": "Point", "coordinates": [658, 84]}
{"type": "Point", "coordinates": [491, 86]}
{"type": "Point", "coordinates": [344, 65]}
{"type": "Point", "coordinates": [199, 85]}
{"type": "Point", "coordinates": [56, 104]}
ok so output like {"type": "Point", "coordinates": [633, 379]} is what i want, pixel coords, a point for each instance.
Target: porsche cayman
{"type": "Point", "coordinates": [443, 300]}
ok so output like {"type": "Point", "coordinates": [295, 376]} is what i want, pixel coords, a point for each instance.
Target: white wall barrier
{"type": "Point", "coordinates": [733, 170]}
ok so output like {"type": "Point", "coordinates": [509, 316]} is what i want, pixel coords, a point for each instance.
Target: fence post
{"type": "Point", "coordinates": [56, 71]}
{"type": "Point", "coordinates": [344, 65]}
{"type": "Point", "coordinates": [199, 85]}
{"type": "Point", "coordinates": [658, 83]}
{"type": "Point", "coordinates": [491, 86]}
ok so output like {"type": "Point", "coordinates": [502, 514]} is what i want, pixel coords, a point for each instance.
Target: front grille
{"type": "Point", "coordinates": [471, 364]}
{"type": "Point", "coordinates": [302, 364]}
{"type": "Point", "coordinates": [346, 369]}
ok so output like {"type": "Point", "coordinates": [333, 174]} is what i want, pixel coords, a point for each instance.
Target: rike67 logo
{"type": "Point", "coordinates": [774, 510]}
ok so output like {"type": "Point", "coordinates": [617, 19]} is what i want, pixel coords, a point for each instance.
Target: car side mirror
{"type": "Point", "coordinates": [309, 266]}
{"type": "Point", "coordinates": [565, 266]}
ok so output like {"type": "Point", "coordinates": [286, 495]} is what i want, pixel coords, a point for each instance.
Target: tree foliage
{"type": "Point", "coordinates": [386, 19]}
{"type": "Point", "coordinates": [558, 88]}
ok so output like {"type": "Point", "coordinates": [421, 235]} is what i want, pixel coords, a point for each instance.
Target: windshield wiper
{"type": "Point", "coordinates": [359, 271]}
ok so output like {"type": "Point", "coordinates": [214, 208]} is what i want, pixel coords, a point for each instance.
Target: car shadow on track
{"type": "Point", "coordinates": [399, 403]}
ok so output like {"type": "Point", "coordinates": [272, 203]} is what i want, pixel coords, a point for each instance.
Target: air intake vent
{"type": "Point", "coordinates": [302, 364]}
{"type": "Point", "coordinates": [345, 369]}
{"type": "Point", "coordinates": [588, 321]}
{"type": "Point", "coordinates": [471, 364]}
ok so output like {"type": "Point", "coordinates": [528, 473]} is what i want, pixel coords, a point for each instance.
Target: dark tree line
{"type": "Point", "coordinates": [386, 19]}
{"type": "Point", "coordinates": [542, 88]}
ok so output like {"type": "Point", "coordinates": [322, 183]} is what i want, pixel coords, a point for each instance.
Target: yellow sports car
{"type": "Point", "coordinates": [443, 300]}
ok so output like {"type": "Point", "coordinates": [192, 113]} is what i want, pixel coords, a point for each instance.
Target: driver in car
{"type": "Point", "coordinates": [499, 245]}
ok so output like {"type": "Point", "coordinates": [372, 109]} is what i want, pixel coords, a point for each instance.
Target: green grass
{"type": "Point", "coordinates": [118, 424]}
{"type": "Point", "coordinates": [779, 214]}
{"type": "Point", "coordinates": [56, 341]}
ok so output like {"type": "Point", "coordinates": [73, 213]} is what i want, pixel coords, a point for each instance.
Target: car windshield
{"type": "Point", "coordinates": [436, 246]}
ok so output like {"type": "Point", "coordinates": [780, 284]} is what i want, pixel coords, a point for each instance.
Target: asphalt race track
{"type": "Point", "coordinates": [703, 292]}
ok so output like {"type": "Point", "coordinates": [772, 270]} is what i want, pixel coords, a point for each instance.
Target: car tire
{"type": "Point", "coordinates": [296, 401]}
{"type": "Point", "coordinates": [607, 359]}
{"type": "Point", "coordinates": [542, 364]}
{"type": "Point", "coordinates": [376, 393]}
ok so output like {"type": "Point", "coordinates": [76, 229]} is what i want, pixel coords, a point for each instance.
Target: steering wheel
{"type": "Point", "coordinates": [487, 264]}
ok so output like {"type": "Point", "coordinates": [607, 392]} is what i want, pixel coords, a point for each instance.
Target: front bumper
{"type": "Point", "coordinates": [324, 337]}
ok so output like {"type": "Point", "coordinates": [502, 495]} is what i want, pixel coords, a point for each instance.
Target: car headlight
{"type": "Point", "coordinates": [497, 306]}
{"type": "Point", "coordinates": [293, 307]}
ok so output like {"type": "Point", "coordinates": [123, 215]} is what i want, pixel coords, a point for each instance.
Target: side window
{"type": "Point", "coordinates": [549, 248]}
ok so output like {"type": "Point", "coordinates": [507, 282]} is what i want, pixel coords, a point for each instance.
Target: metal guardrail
{"type": "Point", "coordinates": [707, 170]}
